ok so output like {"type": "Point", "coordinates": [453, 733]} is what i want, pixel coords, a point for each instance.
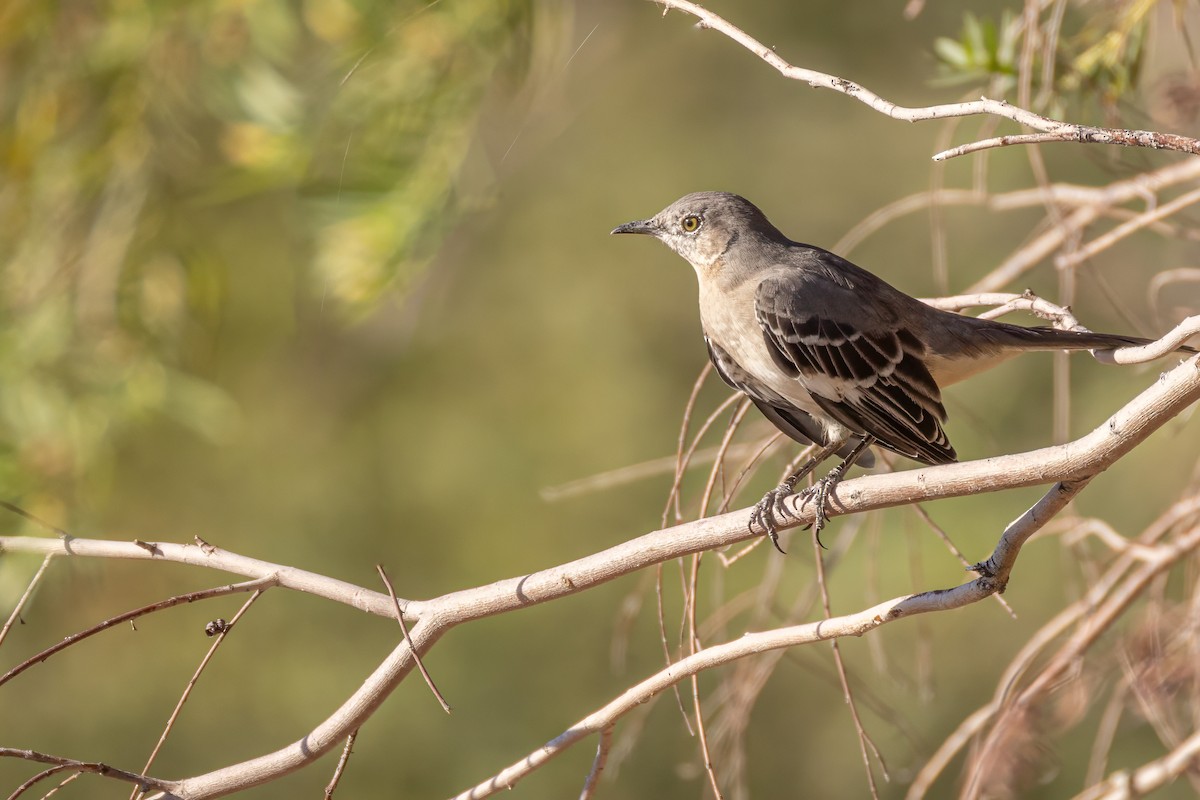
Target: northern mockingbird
{"type": "Point", "coordinates": [828, 352]}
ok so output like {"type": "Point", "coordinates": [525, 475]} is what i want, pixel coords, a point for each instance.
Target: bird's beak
{"type": "Point", "coordinates": [639, 226]}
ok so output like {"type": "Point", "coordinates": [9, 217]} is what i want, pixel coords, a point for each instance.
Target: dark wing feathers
{"type": "Point", "coordinates": [867, 374]}
{"type": "Point", "coordinates": [797, 424]}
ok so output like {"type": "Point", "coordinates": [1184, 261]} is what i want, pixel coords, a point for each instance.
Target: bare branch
{"type": "Point", "coordinates": [1142, 186]}
{"type": "Point", "coordinates": [1100, 607]}
{"type": "Point", "coordinates": [752, 644]}
{"type": "Point", "coordinates": [994, 576]}
{"type": "Point", "coordinates": [344, 759]}
{"type": "Point", "coordinates": [1170, 342]}
{"type": "Point", "coordinates": [33, 582]}
{"type": "Point", "coordinates": [202, 554]}
{"type": "Point", "coordinates": [191, 684]}
{"type": "Point", "coordinates": [1125, 785]}
{"type": "Point", "coordinates": [1072, 462]}
{"type": "Point", "coordinates": [1126, 229]}
{"type": "Point", "coordinates": [407, 638]}
{"type": "Point", "coordinates": [603, 748]}
{"type": "Point", "coordinates": [95, 767]}
{"type": "Point", "coordinates": [1052, 129]}
{"type": "Point", "coordinates": [190, 597]}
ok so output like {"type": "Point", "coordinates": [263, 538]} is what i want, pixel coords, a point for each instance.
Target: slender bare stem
{"type": "Point", "coordinates": [407, 638]}
{"type": "Point", "coordinates": [171, 602]}
{"type": "Point", "coordinates": [60, 764]}
{"type": "Point", "coordinates": [340, 769]}
{"type": "Point", "coordinates": [191, 684]}
{"type": "Point", "coordinates": [24, 598]}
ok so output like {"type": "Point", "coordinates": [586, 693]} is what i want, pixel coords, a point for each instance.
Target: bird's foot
{"type": "Point", "coordinates": [771, 509]}
{"type": "Point", "coordinates": [818, 493]}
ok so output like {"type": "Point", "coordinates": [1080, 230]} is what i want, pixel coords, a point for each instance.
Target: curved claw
{"type": "Point", "coordinates": [818, 493]}
{"type": "Point", "coordinates": [767, 510]}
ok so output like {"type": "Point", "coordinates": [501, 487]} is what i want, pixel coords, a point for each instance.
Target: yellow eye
{"type": "Point", "coordinates": [690, 223]}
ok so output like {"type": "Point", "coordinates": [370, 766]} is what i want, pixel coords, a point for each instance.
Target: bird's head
{"type": "Point", "coordinates": [706, 228]}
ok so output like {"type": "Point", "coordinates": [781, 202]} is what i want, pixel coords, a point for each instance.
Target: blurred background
{"type": "Point", "coordinates": [329, 283]}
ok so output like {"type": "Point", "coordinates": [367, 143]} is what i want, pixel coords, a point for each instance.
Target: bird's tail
{"type": "Point", "coordinates": [1047, 338]}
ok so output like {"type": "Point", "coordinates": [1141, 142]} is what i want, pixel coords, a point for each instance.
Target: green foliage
{"type": "Point", "coordinates": [135, 136]}
{"type": "Point", "coordinates": [984, 51]}
{"type": "Point", "coordinates": [1104, 59]}
{"type": "Point", "coordinates": [1100, 61]}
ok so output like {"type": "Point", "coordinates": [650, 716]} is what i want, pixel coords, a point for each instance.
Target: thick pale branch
{"type": "Point", "coordinates": [717, 655]}
{"type": "Point", "coordinates": [326, 736]}
{"type": "Point", "coordinates": [1126, 785]}
{"type": "Point", "coordinates": [1074, 461]}
{"type": "Point", "coordinates": [1149, 352]}
{"type": "Point", "coordinates": [1052, 129]}
{"type": "Point", "coordinates": [993, 578]}
{"type": "Point", "coordinates": [202, 554]}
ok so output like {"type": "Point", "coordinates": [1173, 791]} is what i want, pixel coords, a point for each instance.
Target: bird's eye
{"type": "Point", "coordinates": [690, 223]}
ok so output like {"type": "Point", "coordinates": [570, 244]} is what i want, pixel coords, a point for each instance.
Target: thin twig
{"type": "Point", "coordinates": [63, 784]}
{"type": "Point", "coordinates": [16, 612]}
{"type": "Point", "coordinates": [1106, 731]}
{"type": "Point", "coordinates": [340, 769]}
{"type": "Point", "coordinates": [680, 458]}
{"type": "Point", "coordinates": [43, 775]}
{"type": "Point", "coordinates": [866, 746]}
{"type": "Point", "coordinates": [710, 769]}
{"type": "Point", "coordinates": [755, 455]}
{"type": "Point", "coordinates": [632, 473]}
{"type": "Point", "coordinates": [1125, 785]}
{"type": "Point", "coordinates": [722, 451]}
{"type": "Point", "coordinates": [171, 602]}
{"type": "Point", "coordinates": [1101, 243]}
{"type": "Point", "coordinates": [603, 748]}
{"type": "Point", "coordinates": [408, 639]}
{"type": "Point", "coordinates": [41, 523]}
{"type": "Point", "coordinates": [953, 548]}
{"type": "Point", "coordinates": [94, 767]}
{"type": "Point", "coordinates": [673, 501]}
{"type": "Point", "coordinates": [191, 684]}
{"type": "Point", "coordinates": [1082, 608]}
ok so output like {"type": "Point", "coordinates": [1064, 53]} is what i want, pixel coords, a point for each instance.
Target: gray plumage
{"type": "Point", "coordinates": [828, 352]}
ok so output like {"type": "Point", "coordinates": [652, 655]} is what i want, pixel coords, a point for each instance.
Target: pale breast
{"type": "Point", "coordinates": [729, 321]}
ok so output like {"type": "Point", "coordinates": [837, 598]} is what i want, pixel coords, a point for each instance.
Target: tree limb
{"type": "Point", "coordinates": [1074, 461]}
{"type": "Point", "coordinates": [1051, 129]}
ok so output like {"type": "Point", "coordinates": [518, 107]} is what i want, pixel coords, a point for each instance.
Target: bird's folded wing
{"type": "Point", "coordinates": [797, 423]}
{"type": "Point", "coordinates": [867, 374]}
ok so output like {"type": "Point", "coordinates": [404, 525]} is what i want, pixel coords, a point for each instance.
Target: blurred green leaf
{"type": "Point", "coordinates": [136, 139]}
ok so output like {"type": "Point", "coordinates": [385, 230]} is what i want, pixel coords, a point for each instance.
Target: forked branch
{"type": "Point", "coordinates": [1071, 465]}
{"type": "Point", "coordinates": [1050, 130]}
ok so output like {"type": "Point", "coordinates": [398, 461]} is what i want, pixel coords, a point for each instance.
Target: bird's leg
{"type": "Point", "coordinates": [765, 511]}
{"type": "Point", "coordinates": [819, 491]}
